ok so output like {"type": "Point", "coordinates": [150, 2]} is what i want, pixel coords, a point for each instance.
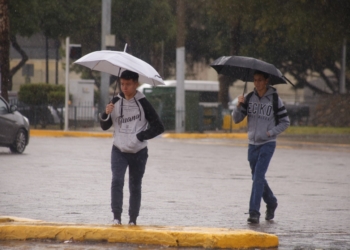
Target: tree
{"type": "Point", "coordinates": [147, 27]}
{"type": "Point", "coordinates": [23, 19]}
{"type": "Point", "coordinates": [304, 38]}
{"type": "Point", "coordinates": [56, 20]}
{"type": "Point", "coordinates": [4, 48]}
{"type": "Point", "coordinates": [78, 19]}
{"type": "Point", "coordinates": [214, 29]}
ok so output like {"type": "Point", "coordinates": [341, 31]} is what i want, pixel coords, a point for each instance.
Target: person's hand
{"type": "Point", "coordinates": [109, 108]}
{"type": "Point", "coordinates": [241, 100]}
{"type": "Point", "coordinates": [268, 134]}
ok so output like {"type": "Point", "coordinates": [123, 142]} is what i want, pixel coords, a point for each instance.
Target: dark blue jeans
{"type": "Point", "coordinates": [259, 157]}
{"type": "Point", "coordinates": [137, 165]}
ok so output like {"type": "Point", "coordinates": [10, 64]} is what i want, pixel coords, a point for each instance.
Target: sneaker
{"type": "Point", "coordinates": [253, 219]}
{"type": "Point", "coordinates": [270, 212]}
{"type": "Point", "coordinates": [116, 222]}
{"type": "Point", "coordinates": [132, 220]}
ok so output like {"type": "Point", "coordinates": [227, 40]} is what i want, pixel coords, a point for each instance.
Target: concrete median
{"type": "Point", "coordinates": [13, 228]}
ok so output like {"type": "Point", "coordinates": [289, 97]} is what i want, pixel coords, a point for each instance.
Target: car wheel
{"type": "Point", "coordinates": [20, 142]}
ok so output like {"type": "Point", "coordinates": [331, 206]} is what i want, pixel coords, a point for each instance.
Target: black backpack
{"type": "Point", "coordinates": [274, 106]}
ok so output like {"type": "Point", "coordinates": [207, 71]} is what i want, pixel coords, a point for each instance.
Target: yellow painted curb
{"type": "Point", "coordinates": [203, 136]}
{"type": "Point", "coordinates": [12, 228]}
{"type": "Point", "coordinates": [60, 133]}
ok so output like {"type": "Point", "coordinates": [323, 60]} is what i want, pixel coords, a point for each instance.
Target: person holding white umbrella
{"type": "Point", "coordinates": [135, 121]}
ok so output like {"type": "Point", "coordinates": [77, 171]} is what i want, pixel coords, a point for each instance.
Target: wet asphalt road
{"type": "Point", "coordinates": [202, 182]}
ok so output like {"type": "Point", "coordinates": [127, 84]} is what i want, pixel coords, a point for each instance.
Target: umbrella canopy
{"type": "Point", "coordinates": [241, 67]}
{"type": "Point", "coordinates": [115, 62]}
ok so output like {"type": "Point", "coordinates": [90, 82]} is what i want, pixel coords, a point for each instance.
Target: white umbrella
{"type": "Point", "coordinates": [115, 62]}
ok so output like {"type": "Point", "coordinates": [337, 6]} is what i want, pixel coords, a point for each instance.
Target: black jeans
{"type": "Point", "coordinates": [137, 165]}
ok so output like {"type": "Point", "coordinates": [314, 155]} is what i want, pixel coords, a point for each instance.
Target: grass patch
{"type": "Point", "coordinates": [295, 130]}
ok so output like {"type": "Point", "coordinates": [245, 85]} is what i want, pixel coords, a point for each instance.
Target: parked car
{"type": "Point", "coordinates": [14, 128]}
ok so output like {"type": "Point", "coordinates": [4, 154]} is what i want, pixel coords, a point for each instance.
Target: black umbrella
{"type": "Point", "coordinates": [243, 68]}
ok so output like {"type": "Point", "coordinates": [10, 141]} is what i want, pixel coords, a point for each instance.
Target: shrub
{"type": "Point", "coordinates": [42, 94]}
{"type": "Point", "coordinates": [39, 96]}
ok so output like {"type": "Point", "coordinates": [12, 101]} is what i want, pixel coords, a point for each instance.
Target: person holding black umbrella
{"type": "Point", "coordinates": [135, 121]}
{"type": "Point", "coordinates": [267, 118]}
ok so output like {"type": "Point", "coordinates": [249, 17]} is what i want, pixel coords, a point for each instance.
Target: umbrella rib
{"type": "Point", "coordinates": [98, 64]}
{"type": "Point", "coordinates": [289, 81]}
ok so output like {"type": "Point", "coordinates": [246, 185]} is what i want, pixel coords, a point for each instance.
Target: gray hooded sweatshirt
{"type": "Point", "coordinates": [261, 118]}
{"type": "Point", "coordinates": [135, 121]}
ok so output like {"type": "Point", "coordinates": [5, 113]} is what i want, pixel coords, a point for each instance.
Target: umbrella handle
{"type": "Point", "coordinates": [103, 120]}
{"type": "Point", "coordinates": [245, 88]}
{"type": "Point", "coordinates": [245, 85]}
{"type": "Point", "coordinates": [116, 85]}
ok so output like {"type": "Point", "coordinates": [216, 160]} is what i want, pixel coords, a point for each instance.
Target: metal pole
{"type": "Point", "coordinates": [66, 112]}
{"type": "Point", "coordinates": [180, 66]}
{"type": "Point", "coordinates": [57, 47]}
{"type": "Point", "coordinates": [162, 59]}
{"type": "Point", "coordinates": [47, 59]}
{"type": "Point", "coordinates": [342, 89]}
{"type": "Point", "coordinates": [105, 30]}
{"type": "Point", "coordinates": [180, 90]}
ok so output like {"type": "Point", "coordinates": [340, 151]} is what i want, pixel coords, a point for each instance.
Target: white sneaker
{"type": "Point", "coordinates": [116, 222]}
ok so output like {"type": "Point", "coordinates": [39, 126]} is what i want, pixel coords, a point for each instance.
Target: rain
{"type": "Point", "coordinates": [307, 42]}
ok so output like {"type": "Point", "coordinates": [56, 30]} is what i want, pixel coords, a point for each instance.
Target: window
{"type": "Point", "coordinates": [3, 107]}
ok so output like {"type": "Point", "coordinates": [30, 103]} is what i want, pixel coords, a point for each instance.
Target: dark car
{"type": "Point", "coordinates": [14, 128]}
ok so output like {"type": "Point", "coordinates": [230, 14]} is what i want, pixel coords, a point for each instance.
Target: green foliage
{"type": "Point", "coordinates": [144, 26]}
{"type": "Point", "coordinates": [56, 96]}
{"type": "Point", "coordinates": [23, 17]}
{"type": "Point", "coordinates": [55, 18]}
{"type": "Point", "coordinates": [302, 38]}
{"type": "Point", "coordinates": [42, 94]}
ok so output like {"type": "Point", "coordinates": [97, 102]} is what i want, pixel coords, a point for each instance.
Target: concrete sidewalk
{"type": "Point", "coordinates": [13, 228]}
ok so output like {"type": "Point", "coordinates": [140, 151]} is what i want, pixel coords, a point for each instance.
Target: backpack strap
{"type": "Point", "coordinates": [275, 107]}
{"type": "Point", "coordinates": [246, 103]}
{"type": "Point", "coordinates": [276, 110]}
